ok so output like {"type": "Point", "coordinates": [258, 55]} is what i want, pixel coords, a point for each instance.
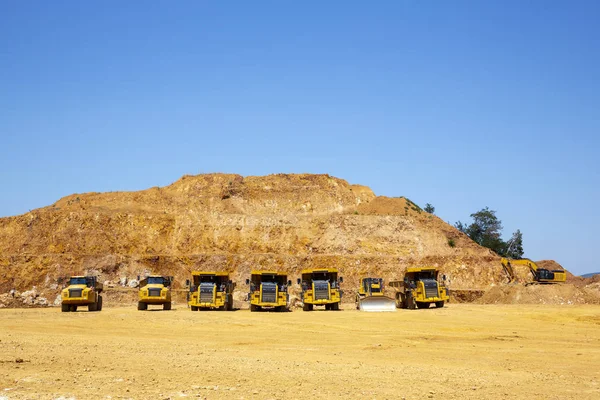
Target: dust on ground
{"type": "Point", "coordinates": [459, 351]}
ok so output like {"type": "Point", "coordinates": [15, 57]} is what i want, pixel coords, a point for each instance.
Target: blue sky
{"type": "Point", "coordinates": [463, 104]}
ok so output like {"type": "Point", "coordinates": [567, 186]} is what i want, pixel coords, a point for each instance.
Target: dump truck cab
{"type": "Point", "coordinates": [82, 291]}
{"type": "Point", "coordinates": [155, 290]}
{"type": "Point", "coordinates": [268, 290]}
{"type": "Point", "coordinates": [321, 287]}
{"type": "Point", "coordinates": [210, 290]}
{"type": "Point", "coordinates": [371, 297]}
{"type": "Point", "coordinates": [419, 288]}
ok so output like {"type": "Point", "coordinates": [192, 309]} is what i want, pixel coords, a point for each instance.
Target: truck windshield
{"type": "Point", "coordinates": [77, 281]}
{"type": "Point", "coordinates": [426, 275]}
{"type": "Point", "coordinates": [155, 280]}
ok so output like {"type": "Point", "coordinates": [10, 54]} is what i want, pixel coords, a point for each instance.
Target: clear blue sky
{"type": "Point", "coordinates": [463, 104]}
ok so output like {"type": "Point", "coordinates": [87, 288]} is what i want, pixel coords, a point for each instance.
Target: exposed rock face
{"type": "Point", "coordinates": [227, 222]}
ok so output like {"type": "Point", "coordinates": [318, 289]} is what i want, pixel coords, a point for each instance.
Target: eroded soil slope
{"type": "Point", "coordinates": [227, 222]}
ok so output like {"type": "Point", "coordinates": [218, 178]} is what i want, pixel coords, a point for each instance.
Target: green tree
{"type": "Point", "coordinates": [514, 247]}
{"type": "Point", "coordinates": [486, 230]}
{"type": "Point", "coordinates": [429, 208]}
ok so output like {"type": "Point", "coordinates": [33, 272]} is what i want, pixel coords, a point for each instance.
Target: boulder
{"type": "Point", "coordinates": [295, 301]}
{"type": "Point", "coordinates": [240, 296]}
{"type": "Point", "coordinates": [133, 283]}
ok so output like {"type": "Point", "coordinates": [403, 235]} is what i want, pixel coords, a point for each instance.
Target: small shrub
{"type": "Point", "coordinates": [451, 242]}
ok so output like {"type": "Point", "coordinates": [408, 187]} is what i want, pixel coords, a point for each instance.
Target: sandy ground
{"type": "Point", "coordinates": [461, 351]}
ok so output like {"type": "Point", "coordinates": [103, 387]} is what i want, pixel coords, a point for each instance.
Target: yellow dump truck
{"type": "Point", "coordinates": [419, 288]}
{"type": "Point", "coordinates": [268, 290]}
{"type": "Point", "coordinates": [82, 291]}
{"type": "Point", "coordinates": [370, 296]}
{"type": "Point", "coordinates": [321, 287]}
{"type": "Point", "coordinates": [540, 275]}
{"type": "Point", "coordinates": [210, 290]}
{"type": "Point", "coordinates": [155, 290]}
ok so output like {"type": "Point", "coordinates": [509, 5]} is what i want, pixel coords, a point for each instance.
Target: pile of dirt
{"type": "Point", "coordinates": [541, 294]}
{"type": "Point", "coordinates": [227, 222]}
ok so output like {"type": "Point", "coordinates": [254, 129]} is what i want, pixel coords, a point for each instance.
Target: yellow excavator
{"type": "Point", "coordinates": [370, 296]}
{"type": "Point", "coordinates": [540, 275]}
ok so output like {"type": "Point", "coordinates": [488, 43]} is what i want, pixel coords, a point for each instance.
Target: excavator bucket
{"type": "Point", "coordinates": [377, 304]}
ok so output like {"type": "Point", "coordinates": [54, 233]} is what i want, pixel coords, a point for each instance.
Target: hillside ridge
{"type": "Point", "coordinates": [229, 222]}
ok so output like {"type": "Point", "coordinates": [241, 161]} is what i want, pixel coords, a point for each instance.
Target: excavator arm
{"type": "Point", "coordinates": [509, 270]}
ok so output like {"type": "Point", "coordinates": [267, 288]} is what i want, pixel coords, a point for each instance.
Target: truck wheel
{"type": "Point", "coordinates": [194, 308]}
{"type": "Point", "coordinates": [335, 307]}
{"type": "Point", "coordinates": [307, 307]}
{"type": "Point", "coordinates": [230, 302]}
{"type": "Point", "coordinates": [73, 308]}
{"type": "Point", "coordinates": [93, 306]}
{"type": "Point", "coordinates": [439, 304]}
{"type": "Point", "coordinates": [64, 307]}
{"type": "Point", "coordinates": [411, 304]}
{"type": "Point", "coordinates": [357, 302]}
{"type": "Point", "coordinates": [254, 308]}
{"type": "Point", "coordinates": [142, 306]}
{"type": "Point", "coordinates": [421, 304]}
{"type": "Point", "coordinates": [400, 300]}
{"type": "Point", "coordinates": [167, 306]}
{"type": "Point", "coordinates": [99, 307]}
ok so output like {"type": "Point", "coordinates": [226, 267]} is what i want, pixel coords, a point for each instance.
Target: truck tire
{"type": "Point", "coordinates": [167, 306]}
{"type": "Point", "coordinates": [254, 308]}
{"type": "Point", "coordinates": [421, 304]}
{"type": "Point", "coordinates": [142, 306]}
{"type": "Point", "coordinates": [335, 307]}
{"type": "Point", "coordinates": [73, 308]}
{"type": "Point", "coordinates": [399, 300]}
{"type": "Point", "coordinates": [411, 304]}
{"type": "Point", "coordinates": [194, 308]}
{"type": "Point", "coordinates": [93, 306]}
{"type": "Point", "coordinates": [64, 308]}
{"type": "Point", "coordinates": [229, 302]}
{"type": "Point", "coordinates": [307, 307]}
{"type": "Point", "coordinates": [99, 307]}
{"type": "Point", "coordinates": [439, 304]}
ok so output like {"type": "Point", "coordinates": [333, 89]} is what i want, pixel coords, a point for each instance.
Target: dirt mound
{"type": "Point", "coordinates": [541, 294]}
{"type": "Point", "coordinates": [227, 222]}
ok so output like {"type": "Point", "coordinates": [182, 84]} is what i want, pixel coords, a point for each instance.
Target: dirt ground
{"type": "Point", "coordinates": [460, 351]}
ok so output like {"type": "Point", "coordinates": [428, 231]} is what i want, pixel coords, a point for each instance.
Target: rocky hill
{"type": "Point", "coordinates": [235, 223]}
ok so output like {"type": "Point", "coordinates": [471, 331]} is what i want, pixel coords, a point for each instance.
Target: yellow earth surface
{"type": "Point", "coordinates": [460, 351]}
